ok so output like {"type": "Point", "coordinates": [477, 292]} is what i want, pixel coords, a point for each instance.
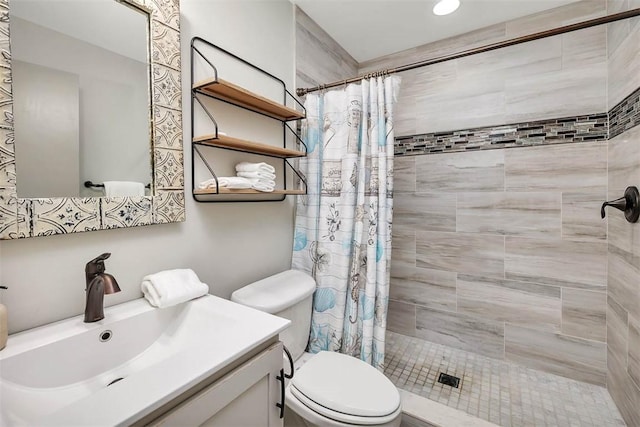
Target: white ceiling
{"type": "Point", "coordinates": [368, 29]}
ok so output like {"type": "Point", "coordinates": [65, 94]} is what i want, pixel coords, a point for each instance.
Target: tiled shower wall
{"type": "Point", "coordinates": [502, 251]}
{"type": "Point", "coordinates": [623, 302]}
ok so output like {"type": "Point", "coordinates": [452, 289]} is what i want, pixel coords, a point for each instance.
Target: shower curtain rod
{"type": "Point", "coordinates": [498, 45]}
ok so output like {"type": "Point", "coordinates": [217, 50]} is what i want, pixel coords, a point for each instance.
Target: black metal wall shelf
{"type": "Point", "coordinates": [225, 91]}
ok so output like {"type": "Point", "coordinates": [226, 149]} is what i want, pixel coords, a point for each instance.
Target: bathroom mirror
{"type": "Point", "coordinates": [112, 112]}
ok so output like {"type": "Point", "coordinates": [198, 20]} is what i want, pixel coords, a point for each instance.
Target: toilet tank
{"type": "Point", "coordinates": [288, 294]}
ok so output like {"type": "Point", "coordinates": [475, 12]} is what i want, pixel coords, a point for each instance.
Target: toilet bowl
{"type": "Point", "coordinates": [328, 388]}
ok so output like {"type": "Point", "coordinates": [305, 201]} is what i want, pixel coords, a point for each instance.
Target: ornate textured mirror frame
{"type": "Point", "coordinates": [20, 218]}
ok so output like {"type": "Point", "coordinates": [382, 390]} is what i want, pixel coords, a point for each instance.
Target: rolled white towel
{"type": "Point", "coordinates": [171, 287]}
{"type": "Point", "coordinates": [234, 182]}
{"type": "Point", "coordinates": [257, 175]}
{"type": "Point", "coordinates": [255, 167]}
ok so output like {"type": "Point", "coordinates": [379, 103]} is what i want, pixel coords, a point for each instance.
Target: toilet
{"type": "Point", "coordinates": [328, 388]}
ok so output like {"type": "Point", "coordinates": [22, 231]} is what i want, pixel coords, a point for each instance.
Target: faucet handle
{"type": "Point", "coordinates": [96, 265]}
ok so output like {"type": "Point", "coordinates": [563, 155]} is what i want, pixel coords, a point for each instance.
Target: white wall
{"type": "Point", "coordinates": [228, 245]}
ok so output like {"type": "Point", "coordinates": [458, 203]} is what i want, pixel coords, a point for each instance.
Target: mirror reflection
{"type": "Point", "coordinates": [81, 87]}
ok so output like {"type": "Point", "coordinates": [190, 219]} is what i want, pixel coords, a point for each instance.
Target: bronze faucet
{"type": "Point", "coordinates": [99, 283]}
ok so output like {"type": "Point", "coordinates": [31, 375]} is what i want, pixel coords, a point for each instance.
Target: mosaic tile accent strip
{"type": "Point", "coordinates": [500, 392]}
{"type": "Point", "coordinates": [625, 115]}
{"type": "Point", "coordinates": [593, 127]}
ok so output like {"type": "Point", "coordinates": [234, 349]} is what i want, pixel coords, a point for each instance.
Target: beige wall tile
{"type": "Point", "coordinates": [472, 171]}
{"type": "Point", "coordinates": [621, 386]}
{"type": "Point", "coordinates": [461, 252]}
{"type": "Point", "coordinates": [584, 47]}
{"type": "Point", "coordinates": [510, 213]}
{"type": "Point", "coordinates": [624, 68]}
{"type": "Point", "coordinates": [584, 314]}
{"type": "Point", "coordinates": [566, 167]}
{"type": "Point", "coordinates": [575, 358]}
{"type": "Point", "coordinates": [429, 288]}
{"type": "Point", "coordinates": [468, 333]}
{"type": "Point", "coordinates": [581, 216]}
{"type": "Point", "coordinates": [554, 262]}
{"type": "Point", "coordinates": [634, 350]}
{"type": "Point", "coordinates": [319, 58]}
{"type": "Point", "coordinates": [623, 278]}
{"type": "Point", "coordinates": [624, 162]}
{"type": "Point", "coordinates": [403, 238]}
{"type": "Point", "coordinates": [425, 211]}
{"type": "Point", "coordinates": [401, 318]}
{"type": "Point", "coordinates": [537, 306]}
{"type": "Point", "coordinates": [404, 174]}
{"type": "Point", "coordinates": [557, 17]}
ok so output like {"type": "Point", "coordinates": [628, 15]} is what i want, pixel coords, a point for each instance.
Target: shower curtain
{"type": "Point", "coordinates": [343, 225]}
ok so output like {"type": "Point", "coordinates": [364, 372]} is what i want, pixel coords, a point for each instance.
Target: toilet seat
{"type": "Point", "coordinates": [346, 389]}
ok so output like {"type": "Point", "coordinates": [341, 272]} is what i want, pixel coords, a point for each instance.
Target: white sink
{"type": "Point", "coordinates": [60, 374]}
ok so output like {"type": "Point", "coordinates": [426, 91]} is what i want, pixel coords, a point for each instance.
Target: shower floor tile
{"type": "Point", "coordinates": [497, 391]}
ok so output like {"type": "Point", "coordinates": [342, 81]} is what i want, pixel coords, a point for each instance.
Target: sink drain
{"type": "Point", "coordinates": [115, 381]}
{"type": "Point", "coordinates": [106, 335]}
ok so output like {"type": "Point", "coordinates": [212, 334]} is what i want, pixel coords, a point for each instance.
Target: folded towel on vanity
{"type": "Point", "coordinates": [233, 182]}
{"type": "Point", "coordinates": [171, 287]}
{"type": "Point", "coordinates": [123, 188]}
{"type": "Point", "coordinates": [255, 167]}
{"type": "Point", "coordinates": [257, 175]}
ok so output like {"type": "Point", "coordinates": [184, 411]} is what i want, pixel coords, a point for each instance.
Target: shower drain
{"type": "Point", "coordinates": [449, 380]}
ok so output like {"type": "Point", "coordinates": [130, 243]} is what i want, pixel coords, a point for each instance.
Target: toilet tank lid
{"type": "Point", "coordinates": [276, 293]}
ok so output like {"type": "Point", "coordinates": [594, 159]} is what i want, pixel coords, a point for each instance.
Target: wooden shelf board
{"type": "Point", "coordinates": [230, 142]}
{"type": "Point", "coordinates": [230, 92]}
{"type": "Point", "coordinates": [223, 190]}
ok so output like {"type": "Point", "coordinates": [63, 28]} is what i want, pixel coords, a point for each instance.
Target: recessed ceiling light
{"type": "Point", "coordinates": [445, 7]}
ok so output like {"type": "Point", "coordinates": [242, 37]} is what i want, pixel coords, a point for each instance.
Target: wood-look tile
{"type": "Point", "coordinates": [617, 331]}
{"type": "Point", "coordinates": [584, 314]}
{"type": "Point", "coordinates": [623, 390]}
{"type": "Point", "coordinates": [429, 288]}
{"type": "Point", "coordinates": [472, 171]}
{"type": "Point", "coordinates": [571, 357]}
{"type": "Point", "coordinates": [624, 162]}
{"type": "Point", "coordinates": [539, 56]}
{"type": "Point", "coordinates": [461, 252]}
{"type": "Point", "coordinates": [401, 318]}
{"type": "Point", "coordinates": [554, 262]}
{"type": "Point", "coordinates": [634, 350]}
{"type": "Point", "coordinates": [477, 102]}
{"type": "Point", "coordinates": [581, 216]}
{"type": "Point", "coordinates": [403, 239]}
{"type": "Point", "coordinates": [616, 31]}
{"type": "Point", "coordinates": [584, 47]}
{"type": "Point", "coordinates": [461, 331]}
{"type": "Point", "coordinates": [318, 56]}
{"type": "Point", "coordinates": [622, 279]}
{"type": "Point", "coordinates": [565, 167]}
{"type": "Point", "coordinates": [583, 90]}
{"type": "Point", "coordinates": [537, 306]}
{"type": "Point", "coordinates": [404, 174]}
{"type": "Point", "coordinates": [425, 211]}
{"type": "Point", "coordinates": [622, 234]}
{"type": "Point", "coordinates": [552, 18]}
{"type": "Point", "coordinates": [624, 68]}
{"type": "Point", "coordinates": [510, 213]}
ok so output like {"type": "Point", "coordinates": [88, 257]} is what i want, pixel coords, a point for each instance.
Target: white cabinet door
{"type": "Point", "coordinates": [247, 396]}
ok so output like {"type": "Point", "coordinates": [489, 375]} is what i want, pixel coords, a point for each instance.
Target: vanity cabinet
{"type": "Point", "coordinates": [223, 90]}
{"type": "Point", "coordinates": [249, 395]}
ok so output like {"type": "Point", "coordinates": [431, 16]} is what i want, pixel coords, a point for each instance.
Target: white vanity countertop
{"type": "Point", "coordinates": [206, 335]}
